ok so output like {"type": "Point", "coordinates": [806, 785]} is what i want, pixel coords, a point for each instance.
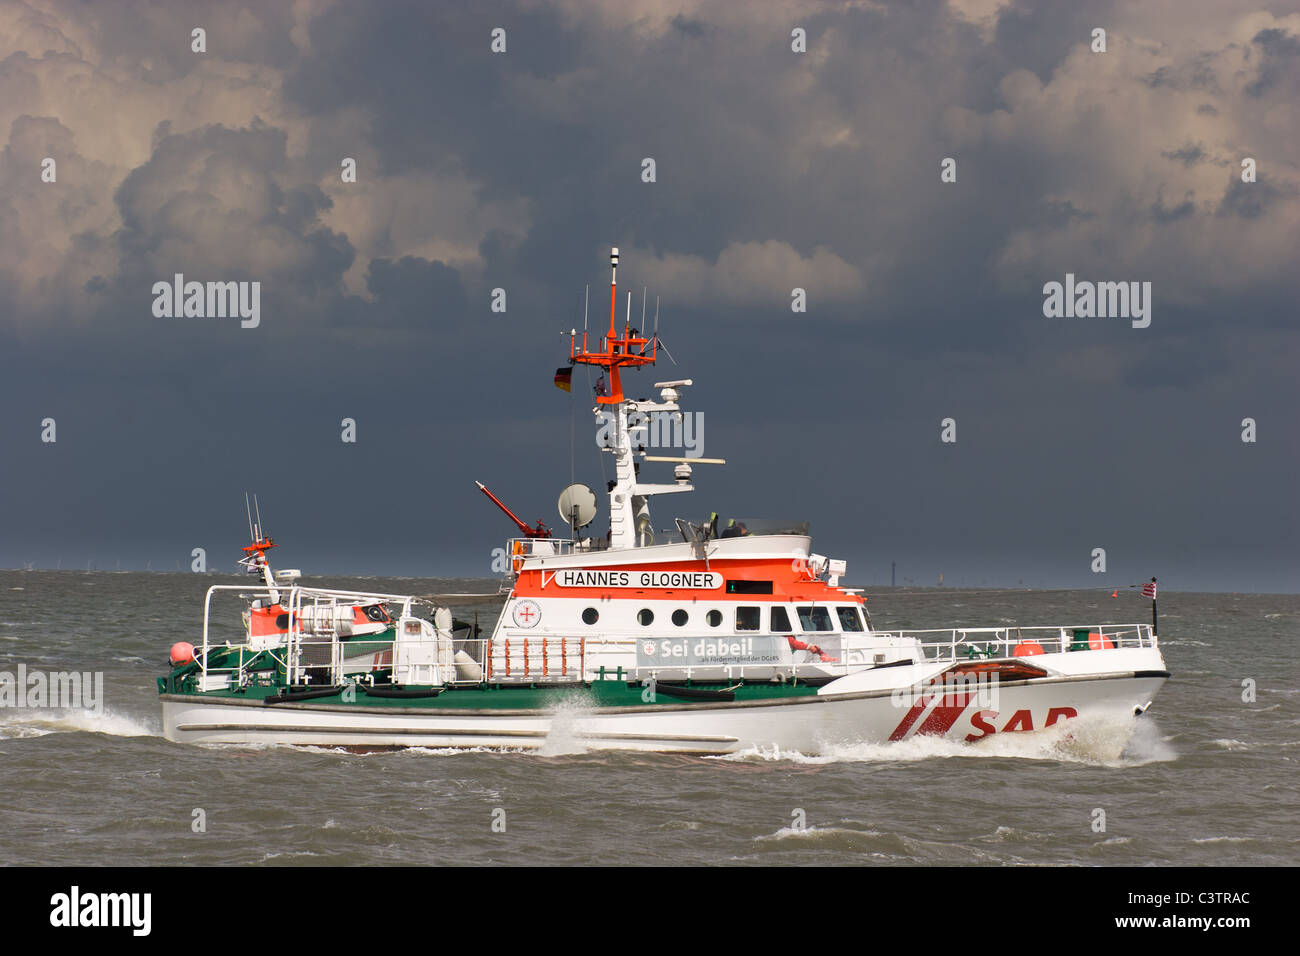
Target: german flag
{"type": "Point", "coordinates": [564, 378]}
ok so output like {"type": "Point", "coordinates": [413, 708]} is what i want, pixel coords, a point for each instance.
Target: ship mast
{"type": "Point", "coordinates": [255, 554]}
{"type": "Point", "coordinates": [629, 511]}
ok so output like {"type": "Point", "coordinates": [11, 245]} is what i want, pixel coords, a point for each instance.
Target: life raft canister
{"type": "Point", "coordinates": [1097, 642]}
{"type": "Point", "coordinates": [1027, 649]}
{"type": "Point", "coordinates": [1090, 641]}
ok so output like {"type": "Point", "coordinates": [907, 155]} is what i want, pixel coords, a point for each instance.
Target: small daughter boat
{"type": "Point", "coordinates": [364, 625]}
{"type": "Point", "coordinates": [266, 620]}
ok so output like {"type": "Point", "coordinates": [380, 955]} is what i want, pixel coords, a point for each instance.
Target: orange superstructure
{"type": "Point", "coordinates": [786, 584]}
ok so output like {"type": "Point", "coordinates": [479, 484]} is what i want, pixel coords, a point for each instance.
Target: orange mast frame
{"type": "Point", "coordinates": [616, 352]}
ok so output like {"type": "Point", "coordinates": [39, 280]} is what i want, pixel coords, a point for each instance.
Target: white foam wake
{"type": "Point", "coordinates": [37, 723]}
{"type": "Point", "coordinates": [1124, 743]}
{"type": "Point", "coordinates": [564, 737]}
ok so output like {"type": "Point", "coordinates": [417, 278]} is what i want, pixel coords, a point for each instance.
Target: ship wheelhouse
{"type": "Point", "coordinates": [752, 606]}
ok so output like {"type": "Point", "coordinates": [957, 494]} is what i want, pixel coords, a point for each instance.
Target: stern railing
{"type": "Point", "coordinates": [966, 643]}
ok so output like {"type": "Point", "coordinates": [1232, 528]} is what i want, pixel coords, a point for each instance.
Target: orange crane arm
{"type": "Point", "coordinates": [541, 531]}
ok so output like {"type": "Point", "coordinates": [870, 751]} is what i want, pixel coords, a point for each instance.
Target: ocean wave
{"type": "Point", "coordinates": [814, 833]}
{"type": "Point", "coordinates": [38, 723]}
{"type": "Point", "coordinates": [457, 751]}
{"type": "Point", "coordinates": [273, 855]}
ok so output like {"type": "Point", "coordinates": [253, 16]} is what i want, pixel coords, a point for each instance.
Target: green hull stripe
{"type": "Point", "coordinates": [499, 698]}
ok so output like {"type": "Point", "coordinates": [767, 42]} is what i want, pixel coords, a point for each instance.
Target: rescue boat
{"type": "Point", "coordinates": [364, 628]}
{"type": "Point", "coordinates": [709, 638]}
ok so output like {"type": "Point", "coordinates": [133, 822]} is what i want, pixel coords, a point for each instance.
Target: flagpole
{"type": "Point", "coordinates": [1154, 630]}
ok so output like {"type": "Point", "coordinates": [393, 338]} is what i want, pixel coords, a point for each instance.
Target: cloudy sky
{"type": "Point", "coordinates": [774, 170]}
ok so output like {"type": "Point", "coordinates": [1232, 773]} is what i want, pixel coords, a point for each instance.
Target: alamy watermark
{"type": "Point", "coordinates": [951, 690]}
{"type": "Point", "coordinates": [76, 909]}
{"type": "Point", "coordinates": [211, 300]}
{"type": "Point", "coordinates": [1086, 300]}
{"type": "Point", "coordinates": [683, 430]}
{"type": "Point", "coordinates": [57, 690]}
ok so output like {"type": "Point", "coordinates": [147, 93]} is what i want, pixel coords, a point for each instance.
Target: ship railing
{"type": "Point", "coordinates": [315, 651]}
{"type": "Point", "coordinates": [540, 659]}
{"type": "Point", "coordinates": [942, 645]}
{"type": "Point", "coordinates": [474, 671]}
{"type": "Point", "coordinates": [519, 549]}
{"type": "Point", "coordinates": [968, 643]}
{"type": "Point", "coordinates": [318, 638]}
{"type": "Point", "coordinates": [210, 678]}
{"type": "Point", "coordinates": [221, 678]}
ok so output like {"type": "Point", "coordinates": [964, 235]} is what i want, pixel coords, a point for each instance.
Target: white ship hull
{"type": "Point", "coordinates": [847, 712]}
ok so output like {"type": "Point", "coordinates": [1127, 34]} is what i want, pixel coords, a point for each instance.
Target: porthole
{"type": "Point", "coordinates": [590, 616]}
{"type": "Point", "coordinates": [645, 617]}
{"type": "Point", "coordinates": [680, 617]}
{"type": "Point", "coordinates": [714, 618]}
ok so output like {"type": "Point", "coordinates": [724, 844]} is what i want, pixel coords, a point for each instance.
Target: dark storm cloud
{"type": "Point", "coordinates": [1189, 155]}
{"type": "Point", "coordinates": [774, 170]}
{"type": "Point", "coordinates": [411, 280]}
{"type": "Point", "coordinates": [1280, 66]}
{"type": "Point", "coordinates": [1164, 214]}
{"type": "Point", "coordinates": [1038, 36]}
{"type": "Point", "coordinates": [1247, 202]}
{"type": "Point", "coordinates": [1196, 73]}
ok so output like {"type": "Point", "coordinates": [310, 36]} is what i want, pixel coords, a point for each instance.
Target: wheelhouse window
{"type": "Point", "coordinates": [748, 618]}
{"type": "Point", "coordinates": [714, 618]}
{"type": "Point", "coordinates": [749, 587]}
{"type": "Point", "coordinates": [815, 618]}
{"type": "Point", "coordinates": [780, 620]}
{"type": "Point", "coordinates": [645, 617]}
{"type": "Point", "coordinates": [590, 616]}
{"type": "Point", "coordinates": [680, 617]}
{"type": "Point", "coordinates": [849, 619]}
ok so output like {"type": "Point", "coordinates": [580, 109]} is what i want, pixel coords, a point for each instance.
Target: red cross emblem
{"type": "Point", "coordinates": [526, 614]}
